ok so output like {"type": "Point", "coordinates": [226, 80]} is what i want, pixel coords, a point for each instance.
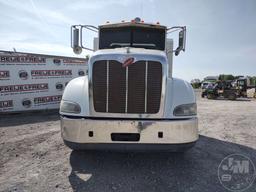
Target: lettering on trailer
{"type": "Point", "coordinates": [33, 81]}
{"type": "Point", "coordinates": [4, 74]}
{"type": "Point", "coordinates": [36, 73]}
{"type": "Point", "coordinates": [47, 99]}
{"type": "Point", "coordinates": [22, 59]}
{"type": "Point", "coordinates": [25, 87]}
{"type": "Point", "coordinates": [6, 104]}
{"type": "Point", "coordinates": [73, 61]}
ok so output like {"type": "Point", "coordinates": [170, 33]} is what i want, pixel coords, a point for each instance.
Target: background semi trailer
{"type": "Point", "coordinates": [33, 82]}
{"type": "Point", "coordinates": [129, 98]}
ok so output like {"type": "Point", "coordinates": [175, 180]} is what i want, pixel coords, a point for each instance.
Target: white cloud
{"type": "Point", "coordinates": [97, 4]}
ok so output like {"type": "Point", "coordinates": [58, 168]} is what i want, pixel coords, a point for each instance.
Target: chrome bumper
{"type": "Point", "coordinates": [173, 131]}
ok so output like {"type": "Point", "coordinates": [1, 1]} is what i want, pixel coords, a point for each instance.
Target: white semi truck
{"type": "Point", "coordinates": [129, 99]}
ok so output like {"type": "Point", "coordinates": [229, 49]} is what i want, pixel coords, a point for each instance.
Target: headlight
{"type": "Point", "coordinates": [69, 107]}
{"type": "Point", "coordinates": [185, 110]}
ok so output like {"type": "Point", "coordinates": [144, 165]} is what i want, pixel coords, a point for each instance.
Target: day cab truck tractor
{"type": "Point", "coordinates": [129, 99]}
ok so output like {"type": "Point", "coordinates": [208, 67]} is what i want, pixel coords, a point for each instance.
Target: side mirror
{"type": "Point", "coordinates": [181, 38]}
{"type": "Point", "coordinates": [181, 47]}
{"type": "Point", "coordinates": [77, 37]}
{"type": "Point", "coordinates": [75, 40]}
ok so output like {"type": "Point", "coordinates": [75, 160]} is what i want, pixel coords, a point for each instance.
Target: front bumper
{"type": "Point", "coordinates": [100, 131]}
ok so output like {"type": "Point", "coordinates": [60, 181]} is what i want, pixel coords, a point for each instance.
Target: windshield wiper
{"type": "Point", "coordinates": [138, 45]}
{"type": "Point", "coordinates": [144, 45]}
{"type": "Point", "coordinates": [117, 45]}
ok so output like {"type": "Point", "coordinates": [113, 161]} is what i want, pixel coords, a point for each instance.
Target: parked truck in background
{"type": "Point", "coordinates": [229, 89]}
{"type": "Point", "coordinates": [129, 99]}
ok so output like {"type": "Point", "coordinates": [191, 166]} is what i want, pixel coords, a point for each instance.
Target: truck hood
{"type": "Point", "coordinates": [131, 51]}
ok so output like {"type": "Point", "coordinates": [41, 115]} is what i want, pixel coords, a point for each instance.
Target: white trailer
{"type": "Point", "coordinates": [30, 81]}
{"type": "Point", "coordinates": [129, 99]}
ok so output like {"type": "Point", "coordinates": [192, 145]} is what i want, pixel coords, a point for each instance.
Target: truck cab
{"type": "Point", "coordinates": [129, 99]}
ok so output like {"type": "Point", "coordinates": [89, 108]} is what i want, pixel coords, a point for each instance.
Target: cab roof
{"type": "Point", "coordinates": [132, 24]}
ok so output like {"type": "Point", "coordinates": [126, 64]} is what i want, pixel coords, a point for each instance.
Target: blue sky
{"type": "Point", "coordinates": [220, 33]}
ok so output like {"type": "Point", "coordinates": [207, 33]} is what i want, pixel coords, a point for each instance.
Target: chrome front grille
{"type": "Point", "coordinates": [133, 89]}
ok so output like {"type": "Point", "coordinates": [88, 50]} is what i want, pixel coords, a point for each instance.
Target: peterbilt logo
{"type": "Point", "coordinates": [128, 61]}
{"type": "Point", "coordinates": [23, 75]}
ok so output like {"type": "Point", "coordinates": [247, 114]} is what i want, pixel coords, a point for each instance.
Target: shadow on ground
{"type": "Point", "coordinates": [17, 119]}
{"type": "Point", "coordinates": [195, 170]}
{"type": "Point", "coordinates": [225, 99]}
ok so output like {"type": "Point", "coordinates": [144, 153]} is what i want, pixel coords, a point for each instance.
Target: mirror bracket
{"type": "Point", "coordinates": [77, 37]}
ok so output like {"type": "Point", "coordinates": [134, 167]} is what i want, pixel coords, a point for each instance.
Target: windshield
{"type": "Point", "coordinates": [241, 82]}
{"type": "Point", "coordinates": [140, 37]}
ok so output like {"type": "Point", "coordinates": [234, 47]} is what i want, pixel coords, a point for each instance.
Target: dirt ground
{"type": "Point", "coordinates": [34, 158]}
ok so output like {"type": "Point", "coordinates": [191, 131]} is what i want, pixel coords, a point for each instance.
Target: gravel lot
{"type": "Point", "coordinates": [33, 157]}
